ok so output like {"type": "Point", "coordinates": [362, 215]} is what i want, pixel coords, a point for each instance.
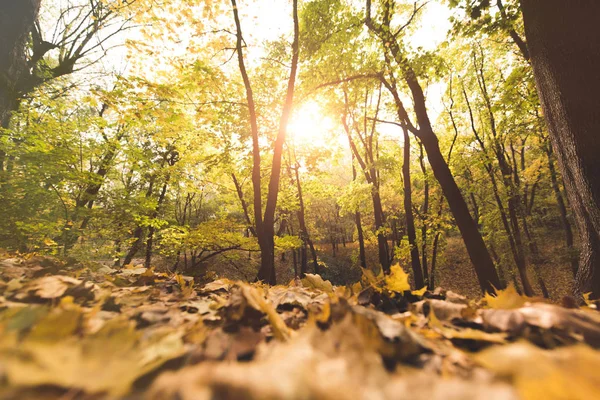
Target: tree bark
{"type": "Point", "coordinates": [152, 229]}
{"type": "Point", "coordinates": [240, 193]}
{"type": "Point", "coordinates": [410, 220]}
{"type": "Point", "coordinates": [357, 219]}
{"type": "Point", "coordinates": [306, 241]}
{"type": "Point", "coordinates": [424, 216]}
{"type": "Point", "coordinates": [562, 208]}
{"type": "Point", "coordinates": [563, 39]}
{"type": "Point", "coordinates": [16, 21]}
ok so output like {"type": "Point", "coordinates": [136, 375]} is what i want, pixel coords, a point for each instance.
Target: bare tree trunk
{"type": "Point", "coordinates": [564, 39]}
{"type": "Point", "coordinates": [240, 193]}
{"type": "Point", "coordinates": [357, 219]}
{"type": "Point", "coordinates": [152, 229]}
{"type": "Point", "coordinates": [410, 220]}
{"type": "Point", "coordinates": [264, 226]}
{"type": "Point", "coordinates": [371, 178]}
{"type": "Point", "coordinates": [139, 230]}
{"type": "Point", "coordinates": [424, 216]}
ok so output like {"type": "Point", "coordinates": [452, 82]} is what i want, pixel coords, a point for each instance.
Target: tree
{"type": "Point", "coordinates": [563, 41]}
{"type": "Point", "coordinates": [16, 21]}
{"type": "Point", "coordinates": [31, 58]}
{"type": "Point", "coordinates": [480, 257]}
{"type": "Point", "coordinates": [265, 223]}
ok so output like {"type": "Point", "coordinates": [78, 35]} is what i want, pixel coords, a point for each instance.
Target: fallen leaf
{"type": "Point", "coordinates": [397, 280]}
{"type": "Point", "coordinates": [564, 373]}
{"type": "Point", "coordinates": [316, 282]}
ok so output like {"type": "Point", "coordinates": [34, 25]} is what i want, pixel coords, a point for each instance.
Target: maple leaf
{"type": "Point", "coordinates": [397, 280]}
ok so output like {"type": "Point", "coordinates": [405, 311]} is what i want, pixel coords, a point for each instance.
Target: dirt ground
{"type": "Point", "coordinates": [454, 270]}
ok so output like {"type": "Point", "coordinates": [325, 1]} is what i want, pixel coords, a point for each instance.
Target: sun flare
{"type": "Point", "coordinates": [309, 125]}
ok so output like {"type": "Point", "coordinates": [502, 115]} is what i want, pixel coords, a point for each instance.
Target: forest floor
{"type": "Point", "coordinates": [87, 331]}
{"type": "Point", "coordinates": [454, 271]}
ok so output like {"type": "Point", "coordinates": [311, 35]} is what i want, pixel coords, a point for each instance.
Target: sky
{"type": "Point", "coordinates": [270, 19]}
{"type": "Point", "coordinates": [265, 20]}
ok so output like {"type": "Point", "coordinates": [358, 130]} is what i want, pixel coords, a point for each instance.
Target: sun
{"type": "Point", "coordinates": [309, 126]}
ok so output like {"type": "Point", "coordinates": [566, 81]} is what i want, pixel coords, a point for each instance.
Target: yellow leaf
{"type": "Point", "coordinates": [316, 282]}
{"type": "Point", "coordinates": [49, 242]}
{"type": "Point", "coordinates": [370, 280]}
{"type": "Point", "coordinates": [565, 373]}
{"type": "Point", "coordinates": [586, 298]}
{"type": "Point", "coordinates": [397, 281]}
{"type": "Point", "coordinates": [420, 292]}
{"type": "Point", "coordinates": [506, 299]}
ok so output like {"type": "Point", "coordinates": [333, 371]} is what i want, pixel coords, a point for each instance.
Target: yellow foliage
{"type": "Point", "coordinates": [397, 281]}
{"type": "Point", "coordinates": [420, 292]}
{"type": "Point", "coordinates": [506, 299]}
{"type": "Point", "coordinates": [565, 373]}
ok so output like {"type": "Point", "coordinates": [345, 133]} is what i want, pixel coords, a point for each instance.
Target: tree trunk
{"type": "Point", "coordinates": [264, 226]}
{"type": "Point", "coordinates": [303, 230]}
{"type": "Point", "coordinates": [410, 220]}
{"type": "Point", "coordinates": [562, 208]}
{"type": "Point", "coordinates": [478, 253]}
{"type": "Point", "coordinates": [424, 216]}
{"type": "Point", "coordinates": [240, 193]}
{"type": "Point", "coordinates": [152, 229]}
{"type": "Point", "coordinates": [357, 219]}
{"type": "Point", "coordinates": [371, 178]}
{"type": "Point", "coordinates": [563, 40]}
{"type": "Point", "coordinates": [16, 21]}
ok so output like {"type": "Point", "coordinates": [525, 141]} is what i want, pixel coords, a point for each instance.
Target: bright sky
{"type": "Point", "coordinates": [308, 124]}
{"type": "Point", "coordinates": [264, 20]}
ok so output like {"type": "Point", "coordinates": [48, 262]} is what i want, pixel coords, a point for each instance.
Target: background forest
{"type": "Point", "coordinates": [278, 138]}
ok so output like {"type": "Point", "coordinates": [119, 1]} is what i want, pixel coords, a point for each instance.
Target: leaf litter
{"type": "Point", "coordinates": [93, 332]}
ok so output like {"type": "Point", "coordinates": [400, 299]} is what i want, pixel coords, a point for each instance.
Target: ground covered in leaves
{"type": "Point", "coordinates": [69, 331]}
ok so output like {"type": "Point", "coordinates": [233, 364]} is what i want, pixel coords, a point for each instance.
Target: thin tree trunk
{"type": "Point", "coordinates": [424, 215]}
{"type": "Point", "coordinates": [240, 193]}
{"type": "Point", "coordinates": [357, 219]}
{"type": "Point", "coordinates": [139, 230]}
{"type": "Point", "coordinates": [152, 229]}
{"type": "Point", "coordinates": [434, 253]}
{"type": "Point", "coordinates": [410, 221]}
{"type": "Point", "coordinates": [509, 220]}
{"type": "Point", "coordinates": [370, 176]}
{"type": "Point", "coordinates": [264, 226]}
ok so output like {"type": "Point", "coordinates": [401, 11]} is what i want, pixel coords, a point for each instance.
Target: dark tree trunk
{"type": "Point", "coordinates": [564, 39]}
{"type": "Point", "coordinates": [139, 230]}
{"type": "Point", "coordinates": [135, 247]}
{"type": "Point", "coordinates": [240, 193]}
{"type": "Point", "coordinates": [478, 253]}
{"type": "Point", "coordinates": [434, 254]}
{"type": "Point", "coordinates": [371, 178]}
{"type": "Point", "coordinates": [357, 219]}
{"type": "Point", "coordinates": [16, 21]}
{"type": "Point", "coordinates": [424, 216]}
{"type": "Point", "coordinates": [382, 243]}
{"type": "Point", "coordinates": [306, 241]}
{"type": "Point", "coordinates": [264, 226]}
{"type": "Point", "coordinates": [152, 229]}
{"type": "Point", "coordinates": [410, 220]}
{"type": "Point", "coordinates": [562, 208]}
